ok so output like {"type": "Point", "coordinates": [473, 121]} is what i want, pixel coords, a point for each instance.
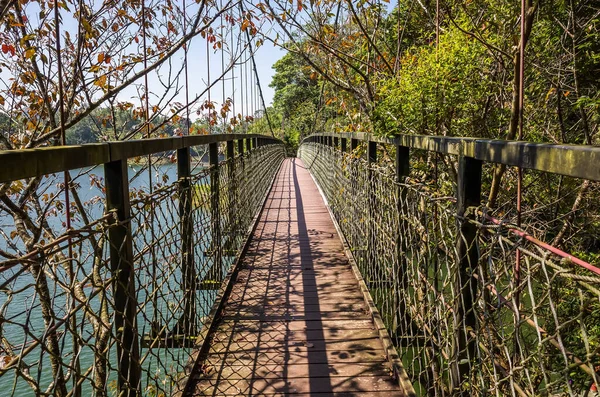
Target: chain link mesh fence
{"type": "Point", "coordinates": [528, 333]}
{"type": "Point", "coordinates": [57, 298]}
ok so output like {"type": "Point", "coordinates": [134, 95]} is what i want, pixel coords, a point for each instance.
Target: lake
{"type": "Point", "coordinates": [158, 281]}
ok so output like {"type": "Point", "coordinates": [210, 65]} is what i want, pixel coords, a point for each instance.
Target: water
{"type": "Point", "coordinates": [23, 308]}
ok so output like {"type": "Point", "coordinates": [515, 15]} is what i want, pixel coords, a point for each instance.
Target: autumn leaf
{"type": "Point", "coordinates": [101, 57]}
{"type": "Point", "coordinates": [6, 48]}
{"type": "Point", "coordinates": [29, 53]}
{"type": "Point", "coordinates": [101, 81]}
{"type": "Point", "coordinates": [171, 27]}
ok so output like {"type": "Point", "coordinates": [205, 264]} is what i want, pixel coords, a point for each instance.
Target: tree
{"type": "Point", "coordinates": [77, 72]}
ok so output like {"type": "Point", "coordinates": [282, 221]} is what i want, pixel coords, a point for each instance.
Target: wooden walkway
{"type": "Point", "coordinates": [295, 321]}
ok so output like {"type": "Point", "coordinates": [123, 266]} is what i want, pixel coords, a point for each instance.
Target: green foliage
{"type": "Point", "coordinates": [437, 92]}
{"type": "Point", "coordinates": [293, 84]}
{"type": "Point", "coordinates": [296, 99]}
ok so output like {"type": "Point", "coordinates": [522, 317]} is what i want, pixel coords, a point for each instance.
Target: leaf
{"type": "Point", "coordinates": [27, 38]}
{"type": "Point", "coordinates": [86, 25]}
{"type": "Point", "coordinates": [101, 81]}
{"type": "Point", "coordinates": [29, 53]}
{"type": "Point", "coordinates": [101, 57]}
{"type": "Point", "coordinates": [6, 48]}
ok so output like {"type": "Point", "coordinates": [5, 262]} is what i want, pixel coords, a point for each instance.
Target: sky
{"type": "Point", "coordinates": [199, 64]}
{"type": "Point", "coordinates": [235, 84]}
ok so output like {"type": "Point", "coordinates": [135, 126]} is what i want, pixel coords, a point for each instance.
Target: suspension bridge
{"type": "Point", "coordinates": [212, 262]}
{"type": "Point", "coordinates": [335, 272]}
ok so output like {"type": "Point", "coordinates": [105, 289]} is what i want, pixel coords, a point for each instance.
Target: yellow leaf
{"type": "Point", "coordinates": [29, 53]}
{"type": "Point", "coordinates": [86, 25]}
{"type": "Point", "coordinates": [100, 57]}
{"type": "Point", "coordinates": [1, 100]}
{"type": "Point", "coordinates": [101, 81]}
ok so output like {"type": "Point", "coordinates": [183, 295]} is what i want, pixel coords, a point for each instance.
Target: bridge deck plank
{"type": "Point", "coordinates": [295, 321]}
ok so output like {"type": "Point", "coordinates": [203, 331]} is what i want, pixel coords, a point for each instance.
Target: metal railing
{"type": "Point", "coordinates": [116, 304]}
{"type": "Point", "coordinates": [465, 317]}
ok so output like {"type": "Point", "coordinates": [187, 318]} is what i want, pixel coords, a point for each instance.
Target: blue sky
{"type": "Point", "coordinates": [198, 68]}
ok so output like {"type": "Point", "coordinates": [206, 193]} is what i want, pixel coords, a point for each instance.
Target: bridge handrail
{"type": "Point", "coordinates": [450, 279]}
{"type": "Point", "coordinates": [148, 261]}
{"type": "Point", "coordinates": [561, 159]}
{"type": "Point", "coordinates": [48, 160]}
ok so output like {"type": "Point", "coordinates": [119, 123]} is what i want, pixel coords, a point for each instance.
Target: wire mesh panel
{"type": "Point", "coordinates": [482, 329]}
{"type": "Point", "coordinates": [69, 321]}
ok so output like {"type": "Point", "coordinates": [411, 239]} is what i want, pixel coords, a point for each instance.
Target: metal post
{"type": "Point", "coordinates": [240, 144]}
{"type": "Point", "coordinates": [248, 144]}
{"type": "Point", "coordinates": [354, 201]}
{"type": "Point", "coordinates": [215, 203]}
{"type": "Point", "coordinates": [230, 152]}
{"type": "Point", "coordinates": [213, 278]}
{"type": "Point", "coordinates": [336, 142]}
{"type": "Point", "coordinates": [400, 280]}
{"type": "Point", "coordinates": [372, 152]}
{"type": "Point", "coordinates": [121, 262]}
{"type": "Point", "coordinates": [231, 197]}
{"type": "Point", "coordinates": [187, 242]}
{"type": "Point", "coordinates": [468, 195]}
{"type": "Point", "coordinates": [371, 257]}
{"type": "Point", "coordinates": [344, 144]}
